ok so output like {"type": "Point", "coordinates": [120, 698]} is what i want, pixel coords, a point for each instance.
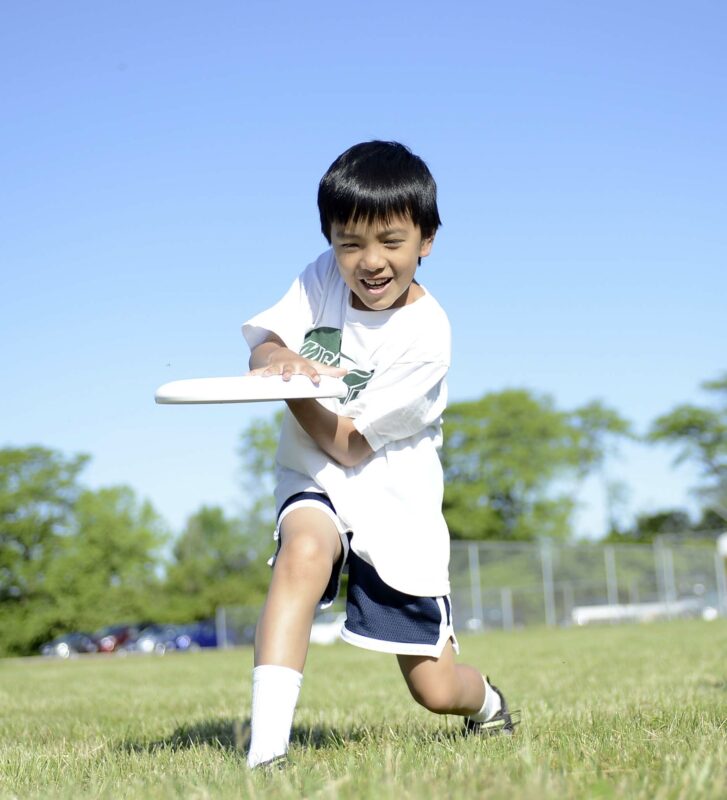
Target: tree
{"type": "Point", "coordinates": [108, 571]}
{"type": "Point", "coordinates": [601, 431]}
{"type": "Point", "coordinates": [675, 522]}
{"type": "Point", "coordinates": [700, 434]}
{"type": "Point", "coordinates": [69, 558]}
{"type": "Point", "coordinates": [647, 527]}
{"type": "Point", "coordinates": [38, 490]}
{"type": "Point", "coordinates": [504, 455]}
{"type": "Point", "coordinates": [257, 448]}
{"type": "Point", "coordinates": [214, 564]}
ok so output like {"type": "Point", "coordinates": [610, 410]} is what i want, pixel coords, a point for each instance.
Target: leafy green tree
{"type": "Point", "coordinates": [108, 571]}
{"type": "Point", "coordinates": [601, 431]}
{"type": "Point", "coordinates": [69, 558]}
{"type": "Point", "coordinates": [505, 455]}
{"type": "Point", "coordinates": [257, 448]}
{"type": "Point", "coordinates": [711, 522]}
{"type": "Point", "coordinates": [38, 491]}
{"type": "Point", "coordinates": [646, 527]}
{"type": "Point", "coordinates": [700, 434]}
{"type": "Point", "coordinates": [258, 444]}
{"type": "Point", "coordinates": [215, 563]}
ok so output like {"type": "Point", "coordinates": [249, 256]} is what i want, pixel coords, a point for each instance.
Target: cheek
{"type": "Point", "coordinates": [346, 274]}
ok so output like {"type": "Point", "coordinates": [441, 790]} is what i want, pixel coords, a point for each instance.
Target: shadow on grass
{"type": "Point", "coordinates": [223, 734]}
{"type": "Point", "coordinates": [234, 735]}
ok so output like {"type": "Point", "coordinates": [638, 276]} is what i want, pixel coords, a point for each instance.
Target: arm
{"type": "Point", "coordinates": [335, 435]}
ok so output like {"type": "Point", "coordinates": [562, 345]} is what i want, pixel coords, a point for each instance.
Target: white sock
{"type": "Point", "coordinates": [274, 696]}
{"type": "Point", "coordinates": [491, 705]}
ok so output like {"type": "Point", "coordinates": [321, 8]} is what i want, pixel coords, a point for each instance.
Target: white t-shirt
{"type": "Point", "coordinates": [397, 361]}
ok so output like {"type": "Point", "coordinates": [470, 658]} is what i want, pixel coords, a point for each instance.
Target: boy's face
{"type": "Point", "coordinates": [378, 260]}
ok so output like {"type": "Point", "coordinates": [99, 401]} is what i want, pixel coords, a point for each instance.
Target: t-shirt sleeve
{"type": "Point", "coordinates": [401, 402]}
{"type": "Point", "coordinates": [288, 319]}
{"type": "Point", "coordinates": [293, 315]}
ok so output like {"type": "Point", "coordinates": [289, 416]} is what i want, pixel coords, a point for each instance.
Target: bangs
{"type": "Point", "coordinates": [378, 205]}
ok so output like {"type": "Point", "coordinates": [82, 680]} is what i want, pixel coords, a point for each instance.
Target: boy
{"type": "Point", "coordinates": [359, 480]}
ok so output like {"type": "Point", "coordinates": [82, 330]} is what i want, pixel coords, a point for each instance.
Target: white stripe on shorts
{"type": "Point", "coordinates": [446, 632]}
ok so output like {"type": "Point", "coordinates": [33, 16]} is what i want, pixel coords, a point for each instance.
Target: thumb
{"type": "Point", "coordinates": [336, 372]}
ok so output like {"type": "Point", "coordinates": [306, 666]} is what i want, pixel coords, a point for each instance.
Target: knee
{"type": "Point", "coordinates": [437, 699]}
{"type": "Point", "coordinates": [301, 554]}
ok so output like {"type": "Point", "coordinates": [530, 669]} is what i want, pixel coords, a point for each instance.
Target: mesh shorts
{"type": "Point", "coordinates": [378, 617]}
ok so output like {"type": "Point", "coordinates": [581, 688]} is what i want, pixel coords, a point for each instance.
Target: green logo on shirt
{"type": "Point", "coordinates": [324, 345]}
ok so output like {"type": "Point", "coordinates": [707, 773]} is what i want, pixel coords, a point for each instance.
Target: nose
{"type": "Point", "coordinates": [372, 259]}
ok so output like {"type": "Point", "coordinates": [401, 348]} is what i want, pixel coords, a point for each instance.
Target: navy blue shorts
{"type": "Point", "coordinates": [378, 617]}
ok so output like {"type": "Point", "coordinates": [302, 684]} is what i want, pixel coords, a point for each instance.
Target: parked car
{"type": "Point", "coordinates": [196, 636]}
{"type": "Point", "coordinates": [153, 639]}
{"type": "Point", "coordinates": [112, 637]}
{"type": "Point", "coordinates": [327, 627]}
{"type": "Point", "coordinates": [69, 644]}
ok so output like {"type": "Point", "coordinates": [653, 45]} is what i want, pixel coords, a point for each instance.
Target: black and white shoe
{"type": "Point", "coordinates": [273, 764]}
{"type": "Point", "coordinates": [500, 724]}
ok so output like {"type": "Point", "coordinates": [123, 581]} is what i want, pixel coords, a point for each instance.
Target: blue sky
{"type": "Point", "coordinates": [159, 169]}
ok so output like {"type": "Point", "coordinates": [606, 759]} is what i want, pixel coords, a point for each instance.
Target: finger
{"type": "Point", "coordinates": [336, 372]}
{"type": "Point", "coordinates": [310, 371]}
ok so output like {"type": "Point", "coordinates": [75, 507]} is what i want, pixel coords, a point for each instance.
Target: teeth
{"type": "Point", "coordinates": [380, 282]}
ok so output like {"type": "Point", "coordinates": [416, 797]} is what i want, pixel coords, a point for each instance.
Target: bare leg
{"type": "Point", "coordinates": [310, 547]}
{"type": "Point", "coordinates": [443, 686]}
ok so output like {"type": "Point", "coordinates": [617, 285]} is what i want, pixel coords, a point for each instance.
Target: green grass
{"type": "Point", "coordinates": [627, 712]}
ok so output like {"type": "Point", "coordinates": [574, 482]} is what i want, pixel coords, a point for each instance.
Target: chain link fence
{"type": "Point", "coordinates": [509, 585]}
{"type": "Point", "coordinates": [514, 584]}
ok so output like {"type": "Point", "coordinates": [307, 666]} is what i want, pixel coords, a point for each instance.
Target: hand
{"type": "Point", "coordinates": [284, 362]}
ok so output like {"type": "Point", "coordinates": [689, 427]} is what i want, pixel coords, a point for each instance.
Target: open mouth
{"type": "Point", "coordinates": [375, 285]}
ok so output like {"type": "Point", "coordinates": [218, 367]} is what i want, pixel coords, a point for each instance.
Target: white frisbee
{"type": "Point", "coordinates": [248, 389]}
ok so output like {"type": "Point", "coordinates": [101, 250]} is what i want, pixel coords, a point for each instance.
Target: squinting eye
{"type": "Point", "coordinates": [394, 242]}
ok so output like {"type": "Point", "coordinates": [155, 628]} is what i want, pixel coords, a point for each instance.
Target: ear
{"type": "Point", "coordinates": [426, 246]}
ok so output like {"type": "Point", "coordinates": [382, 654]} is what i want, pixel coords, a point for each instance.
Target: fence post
{"type": "Point", "coordinates": [609, 556]}
{"type": "Point", "coordinates": [508, 618]}
{"type": "Point", "coordinates": [221, 626]}
{"type": "Point", "coordinates": [546, 563]}
{"type": "Point", "coordinates": [568, 603]}
{"type": "Point", "coordinates": [475, 587]}
{"type": "Point", "coordinates": [669, 582]}
{"type": "Point", "coordinates": [721, 583]}
{"type": "Point", "coordinates": [665, 575]}
{"type": "Point", "coordinates": [659, 570]}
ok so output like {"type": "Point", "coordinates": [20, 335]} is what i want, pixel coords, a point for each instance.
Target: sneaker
{"type": "Point", "coordinates": [502, 723]}
{"type": "Point", "coordinates": [272, 764]}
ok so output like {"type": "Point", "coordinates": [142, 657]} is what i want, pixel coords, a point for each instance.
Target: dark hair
{"type": "Point", "coordinates": [378, 181]}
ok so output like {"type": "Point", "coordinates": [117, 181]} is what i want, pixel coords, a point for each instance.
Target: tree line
{"type": "Point", "coordinates": [73, 558]}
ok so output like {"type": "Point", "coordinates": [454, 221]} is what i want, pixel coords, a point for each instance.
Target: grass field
{"type": "Point", "coordinates": [628, 712]}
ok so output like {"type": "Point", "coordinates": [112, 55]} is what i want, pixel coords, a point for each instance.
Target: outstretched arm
{"type": "Point", "coordinates": [335, 435]}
